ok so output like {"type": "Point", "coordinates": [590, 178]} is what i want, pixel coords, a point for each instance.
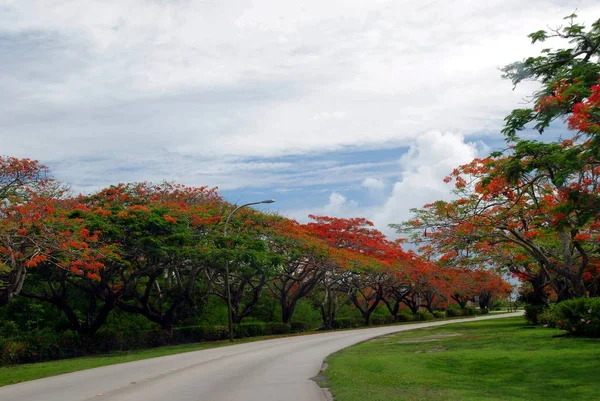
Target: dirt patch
{"type": "Point", "coordinates": [432, 350]}
{"type": "Point", "coordinates": [428, 339]}
{"type": "Point", "coordinates": [321, 381]}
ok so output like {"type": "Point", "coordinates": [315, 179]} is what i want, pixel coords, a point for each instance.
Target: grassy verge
{"type": "Point", "coordinates": [20, 373]}
{"type": "Point", "coordinates": [488, 360]}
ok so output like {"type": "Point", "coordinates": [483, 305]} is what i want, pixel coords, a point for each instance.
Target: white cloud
{"type": "Point", "coordinates": [207, 92]}
{"type": "Point", "coordinates": [339, 205]}
{"type": "Point", "coordinates": [419, 180]}
{"type": "Point", "coordinates": [373, 184]}
{"type": "Point", "coordinates": [432, 157]}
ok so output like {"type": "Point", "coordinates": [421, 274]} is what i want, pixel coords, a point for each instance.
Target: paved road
{"type": "Point", "coordinates": [270, 370]}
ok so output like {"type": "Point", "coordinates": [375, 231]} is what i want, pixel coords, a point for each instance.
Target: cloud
{"type": "Point", "coordinates": [222, 92]}
{"type": "Point", "coordinates": [419, 180]}
{"type": "Point", "coordinates": [339, 205]}
{"type": "Point", "coordinates": [432, 157]}
{"type": "Point", "coordinates": [373, 184]}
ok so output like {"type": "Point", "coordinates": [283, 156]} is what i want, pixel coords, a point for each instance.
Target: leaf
{"type": "Point", "coordinates": [538, 36]}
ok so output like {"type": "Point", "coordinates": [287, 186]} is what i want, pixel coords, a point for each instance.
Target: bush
{"type": "Point", "coordinates": [439, 314]}
{"type": "Point", "coordinates": [546, 318]}
{"type": "Point", "coordinates": [8, 329]}
{"type": "Point", "coordinates": [250, 329]}
{"type": "Point", "coordinates": [278, 328]}
{"type": "Point", "coordinates": [38, 346]}
{"type": "Point", "coordinates": [382, 319]}
{"type": "Point", "coordinates": [579, 317]}
{"type": "Point", "coordinates": [300, 326]}
{"type": "Point", "coordinates": [471, 311]}
{"type": "Point", "coordinates": [216, 333]}
{"type": "Point", "coordinates": [484, 311]}
{"type": "Point", "coordinates": [346, 323]}
{"type": "Point", "coordinates": [454, 312]}
{"type": "Point", "coordinates": [405, 317]}
{"type": "Point", "coordinates": [191, 334]}
{"type": "Point", "coordinates": [423, 316]}
{"type": "Point", "coordinates": [532, 313]}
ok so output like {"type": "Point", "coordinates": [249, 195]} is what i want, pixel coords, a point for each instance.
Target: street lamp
{"type": "Point", "coordinates": [229, 309]}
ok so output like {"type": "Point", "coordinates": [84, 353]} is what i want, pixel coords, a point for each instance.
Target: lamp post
{"type": "Point", "coordinates": [228, 288]}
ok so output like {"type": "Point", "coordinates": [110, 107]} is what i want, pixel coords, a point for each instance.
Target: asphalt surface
{"type": "Point", "coordinates": [270, 370]}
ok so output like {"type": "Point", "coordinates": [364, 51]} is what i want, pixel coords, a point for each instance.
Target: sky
{"type": "Point", "coordinates": [337, 107]}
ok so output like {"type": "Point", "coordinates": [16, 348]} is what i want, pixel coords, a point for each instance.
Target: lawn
{"type": "Point", "coordinates": [489, 360]}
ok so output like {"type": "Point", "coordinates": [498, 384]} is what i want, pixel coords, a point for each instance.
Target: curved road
{"type": "Point", "coordinates": [270, 370]}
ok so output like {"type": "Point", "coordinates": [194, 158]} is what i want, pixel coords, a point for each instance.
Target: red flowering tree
{"type": "Point", "coordinates": [305, 262]}
{"type": "Point", "coordinates": [152, 241]}
{"type": "Point", "coordinates": [164, 238]}
{"type": "Point", "coordinates": [35, 230]}
{"type": "Point", "coordinates": [532, 209]}
{"type": "Point", "coordinates": [371, 260]}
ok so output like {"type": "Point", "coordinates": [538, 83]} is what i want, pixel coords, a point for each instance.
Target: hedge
{"type": "Point", "coordinates": [47, 345]}
{"type": "Point", "coordinates": [579, 317]}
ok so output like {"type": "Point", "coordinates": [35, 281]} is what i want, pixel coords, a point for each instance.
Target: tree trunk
{"type": "Point", "coordinates": [11, 284]}
{"type": "Point", "coordinates": [287, 310]}
{"type": "Point", "coordinates": [392, 308]}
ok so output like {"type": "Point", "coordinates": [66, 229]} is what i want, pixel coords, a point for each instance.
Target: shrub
{"type": "Point", "coordinates": [532, 313]}
{"type": "Point", "coordinates": [38, 346]}
{"type": "Point", "coordinates": [484, 311]}
{"type": "Point", "coordinates": [546, 317]}
{"type": "Point", "coordinates": [300, 326]}
{"type": "Point", "coordinates": [579, 317]}
{"type": "Point", "coordinates": [423, 316]}
{"type": "Point", "coordinates": [346, 323]}
{"type": "Point", "coordinates": [278, 328]}
{"type": "Point", "coordinates": [250, 329]}
{"type": "Point", "coordinates": [216, 333]}
{"type": "Point", "coordinates": [454, 312]}
{"type": "Point", "coordinates": [13, 352]}
{"type": "Point", "coordinates": [190, 334]}
{"type": "Point", "coordinates": [471, 311]}
{"type": "Point", "coordinates": [439, 314]}
{"type": "Point", "coordinates": [8, 329]}
{"type": "Point", "coordinates": [405, 317]}
{"type": "Point", "coordinates": [382, 319]}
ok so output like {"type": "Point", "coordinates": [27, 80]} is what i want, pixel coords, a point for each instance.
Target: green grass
{"type": "Point", "coordinates": [489, 360]}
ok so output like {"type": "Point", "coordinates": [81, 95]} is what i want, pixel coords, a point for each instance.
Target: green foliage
{"type": "Point", "coordinates": [382, 319]}
{"type": "Point", "coordinates": [454, 312]}
{"type": "Point", "coordinates": [37, 346]}
{"type": "Point", "coordinates": [532, 313]}
{"type": "Point", "coordinates": [306, 312]}
{"type": "Point", "coordinates": [423, 316]}
{"type": "Point", "coordinates": [250, 329]}
{"type": "Point", "coordinates": [405, 316]}
{"type": "Point", "coordinates": [471, 311]}
{"type": "Point", "coordinates": [346, 323]}
{"type": "Point", "coordinates": [439, 314]}
{"type": "Point", "coordinates": [577, 63]}
{"type": "Point", "coordinates": [579, 317]}
{"type": "Point", "coordinates": [300, 326]}
{"type": "Point", "coordinates": [278, 328]}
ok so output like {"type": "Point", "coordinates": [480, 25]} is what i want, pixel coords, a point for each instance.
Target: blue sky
{"type": "Point", "coordinates": [348, 108]}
